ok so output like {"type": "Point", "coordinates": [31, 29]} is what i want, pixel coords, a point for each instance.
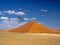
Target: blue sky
{"type": "Point", "coordinates": [14, 13]}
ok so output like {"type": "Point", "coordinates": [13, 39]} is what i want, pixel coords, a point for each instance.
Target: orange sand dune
{"type": "Point", "coordinates": [33, 27]}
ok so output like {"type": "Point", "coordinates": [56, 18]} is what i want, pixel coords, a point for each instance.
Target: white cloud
{"type": "Point", "coordinates": [33, 18]}
{"type": "Point", "coordinates": [4, 18]}
{"type": "Point", "coordinates": [44, 10]}
{"type": "Point", "coordinates": [26, 18]}
{"type": "Point", "coordinates": [40, 23]}
{"type": "Point", "coordinates": [13, 12]}
{"type": "Point", "coordinates": [20, 13]}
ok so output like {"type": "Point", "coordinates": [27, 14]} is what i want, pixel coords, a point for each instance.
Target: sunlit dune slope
{"type": "Point", "coordinates": [32, 27]}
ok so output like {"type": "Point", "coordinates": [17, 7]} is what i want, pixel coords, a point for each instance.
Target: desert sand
{"type": "Point", "coordinates": [9, 38]}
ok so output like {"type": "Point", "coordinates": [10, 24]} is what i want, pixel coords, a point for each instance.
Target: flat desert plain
{"type": "Point", "coordinates": [9, 38]}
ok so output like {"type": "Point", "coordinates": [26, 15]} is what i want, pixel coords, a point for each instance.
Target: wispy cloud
{"type": "Point", "coordinates": [44, 10]}
{"type": "Point", "coordinates": [40, 23]}
{"type": "Point", "coordinates": [22, 23]}
{"type": "Point", "coordinates": [33, 18]}
{"type": "Point", "coordinates": [14, 19]}
{"type": "Point", "coordinates": [26, 18]}
{"type": "Point", "coordinates": [30, 18]}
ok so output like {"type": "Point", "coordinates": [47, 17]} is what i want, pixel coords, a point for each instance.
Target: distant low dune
{"type": "Point", "coordinates": [9, 38]}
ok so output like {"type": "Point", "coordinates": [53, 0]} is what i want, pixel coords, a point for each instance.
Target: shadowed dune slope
{"type": "Point", "coordinates": [33, 27]}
